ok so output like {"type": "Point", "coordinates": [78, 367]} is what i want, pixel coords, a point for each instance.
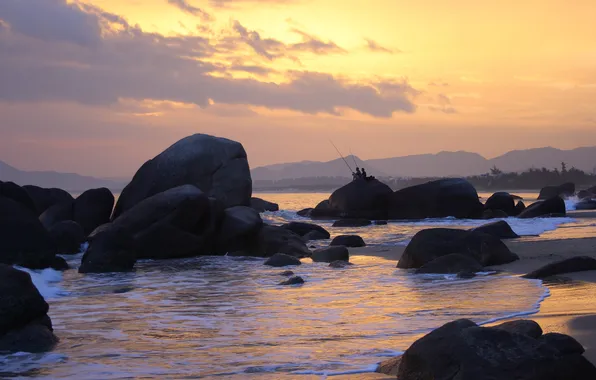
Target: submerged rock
{"type": "Point", "coordinates": [352, 223]}
{"type": "Point", "coordinates": [305, 212]}
{"type": "Point", "coordinates": [297, 280]}
{"type": "Point", "coordinates": [565, 190]}
{"type": "Point", "coordinates": [262, 205]}
{"type": "Point", "coordinates": [550, 207]}
{"type": "Point", "coordinates": [340, 264]}
{"type": "Point", "coordinates": [430, 244]}
{"type": "Point", "coordinates": [331, 254]}
{"type": "Point", "coordinates": [287, 273]}
{"type": "Point", "coordinates": [574, 264]}
{"type": "Point", "coordinates": [451, 264]}
{"type": "Point", "coordinates": [500, 229]}
{"type": "Point", "coordinates": [282, 260]}
{"type": "Point", "coordinates": [586, 204]}
{"type": "Point", "coordinates": [302, 229]}
{"type": "Point", "coordinates": [315, 235]}
{"type": "Point", "coordinates": [353, 241]}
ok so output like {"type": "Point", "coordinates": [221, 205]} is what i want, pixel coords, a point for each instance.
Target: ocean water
{"type": "Point", "coordinates": [227, 317]}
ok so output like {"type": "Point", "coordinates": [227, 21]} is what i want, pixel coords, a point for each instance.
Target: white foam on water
{"type": "Point", "coordinates": [570, 203]}
{"type": "Point", "coordinates": [46, 281]}
{"type": "Point", "coordinates": [367, 369]}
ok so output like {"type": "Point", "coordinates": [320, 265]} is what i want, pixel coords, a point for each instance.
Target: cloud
{"type": "Point", "coordinates": [447, 110]}
{"type": "Point", "coordinates": [438, 84]}
{"type": "Point", "coordinates": [375, 47]}
{"type": "Point", "coordinates": [315, 45]}
{"type": "Point", "coordinates": [231, 3]}
{"type": "Point", "coordinates": [126, 62]}
{"type": "Point", "coordinates": [443, 105]}
{"type": "Point", "coordinates": [184, 6]}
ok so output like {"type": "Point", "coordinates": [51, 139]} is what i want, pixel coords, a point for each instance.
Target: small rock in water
{"type": "Point", "coordinates": [287, 273]}
{"type": "Point", "coordinates": [330, 254]}
{"type": "Point", "coordinates": [282, 260]}
{"type": "Point", "coordinates": [380, 222]}
{"type": "Point", "coordinates": [352, 223]}
{"type": "Point", "coordinates": [293, 281]}
{"type": "Point", "coordinates": [348, 241]}
{"type": "Point", "coordinates": [340, 264]}
{"type": "Point", "coordinates": [465, 275]}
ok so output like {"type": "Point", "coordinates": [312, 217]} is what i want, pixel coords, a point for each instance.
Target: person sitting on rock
{"type": "Point", "coordinates": [363, 174]}
{"type": "Point", "coordinates": [358, 174]}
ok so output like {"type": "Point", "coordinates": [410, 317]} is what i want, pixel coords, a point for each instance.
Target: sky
{"type": "Point", "coordinates": [98, 87]}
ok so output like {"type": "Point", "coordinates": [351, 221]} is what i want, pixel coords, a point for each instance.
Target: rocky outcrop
{"type": "Point", "coordinates": [46, 198]}
{"type": "Point", "coordinates": [15, 192]}
{"type": "Point", "coordinates": [303, 229]}
{"type": "Point", "coordinates": [550, 207]}
{"type": "Point", "coordinates": [331, 254]}
{"type": "Point", "coordinates": [453, 197]}
{"type": "Point", "coordinates": [68, 237]}
{"type": "Point", "coordinates": [361, 199]}
{"type": "Point", "coordinates": [428, 245]}
{"type": "Point", "coordinates": [574, 264]}
{"type": "Point", "coordinates": [24, 322]}
{"type": "Point", "coordinates": [262, 205]}
{"type": "Point", "coordinates": [297, 280]}
{"type": "Point", "coordinates": [238, 229]}
{"type": "Point", "coordinates": [463, 350]}
{"type": "Point", "coordinates": [274, 239]}
{"type": "Point", "coordinates": [352, 223]}
{"type": "Point", "coordinates": [282, 260]}
{"type": "Point", "coordinates": [109, 251]}
{"type": "Point", "coordinates": [353, 241]}
{"type": "Point", "coordinates": [500, 229]}
{"type": "Point", "coordinates": [216, 166]}
{"type": "Point", "coordinates": [451, 264]}
{"type": "Point", "coordinates": [501, 201]}
{"type": "Point", "coordinates": [565, 190]}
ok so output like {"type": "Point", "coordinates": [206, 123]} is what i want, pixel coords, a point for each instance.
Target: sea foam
{"type": "Point", "coordinates": [46, 281]}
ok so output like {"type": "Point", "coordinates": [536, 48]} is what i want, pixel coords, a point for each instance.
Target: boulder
{"type": "Point", "coordinates": [216, 166]}
{"type": "Point", "coordinates": [262, 205]}
{"type": "Point", "coordinates": [163, 241]}
{"type": "Point", "coordinates": [519, 208]}
{"type": "Point", "coordinates": [353, 241]}
{"type": "Point", "coordinates": [23, 239]}
{"type": "Point", "coordinates": [453, 197]}
{"type": "Point", "coordinates": [583, 194]}
{"type": "Point", "coordinates": [340, 264]}
{"type": "Point", "coordinates": [315, 235]}
{"type": "Point", "coordinates": [563, 343]}
{"type": "Point", "coordinates": [389, 366]}
{"type": "Point", "coordinates": [380, 222]}
{"type": "Point", "coordinates": [586, 204]}
{"type": "Point", "coordinates": [287, 273]}
{"type": "Point", "coordinates": [452, 263]}
{"type": "Point", "coordinates": [574, 264]}
{"type": "Point", "coordinates": [24, 323]}
{"type": "Point", "coordinates": [429, 244]}
{"type": "Point", "coordinates": [565, 190]}
{"type": "Point", "coordinates": [109, 251]}
{"type": "Point", "coordinates": [68, 237]}
{"type": "Point", "coordinates": [523, 326]}
{"type": "Point", "coordinates": [331, 254]}
{"type": "Point", "coordinates": [501, 201]}
{"type": "Point", "coordinates": [305, 213]}
{"type": "Point", "coordinates": [281, 260]}
{"type": "Point", "coordinates": [15, 192]}
{"type": "Point", "coordinates": [360, 199]}
{"type": "Point", "coordinates": [302, 229]}
{"type": "Point", "coordinates": [352, 223]}
{"type": "Point", "coordinates": [297, 280]}
{"type": "Point", "coordinates": [500, 229]}
{"type": "Point", "coordinates": [463, 350]}
{"type": "Point", "coordinates": [46, 198]}
{"type": "Point", "coordinates": [494, 214]}
{"type": "Point", "coordinates": [239, 229]}
{"type": "Point", "coordinates": [93, 208]}
{"type": "Point", "coordinates": [274, 239]}
{"type": "Point", "coordinates": [553, 206]}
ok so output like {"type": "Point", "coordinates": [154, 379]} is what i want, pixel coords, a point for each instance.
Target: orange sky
{"type": "Point", "coordinates": [99, 95]}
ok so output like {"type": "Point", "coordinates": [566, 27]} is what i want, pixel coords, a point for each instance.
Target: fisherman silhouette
{"type": "Point", "coordinates": [358, 173]}
{"type": "Point", "coordinates": [363, 174]}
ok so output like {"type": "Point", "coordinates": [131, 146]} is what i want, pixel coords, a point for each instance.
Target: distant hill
{"type": "Point", "coordinates": [67, 181]}
{"type": "Point", "coordinates": [442, 164]}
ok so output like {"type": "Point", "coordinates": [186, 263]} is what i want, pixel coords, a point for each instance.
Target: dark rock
{"type": "Point", "coordinates": [24, 323]}
{"type": "Point", "coordinates": [15, 192]}
{"type": "Point", "coordinates": [352, 223]}
{"type": "Point", "coordinates": [323, 210]}
{"type": "Point", "coordinates": [361, 199]}
{"type": "Point", "coordinates": [315, 235]}
{"type": "Point", "coordinates": [274, 239]}
{"type": "Point", "coordinates": [462, 350]}
{"type": "Point", "coordinates": [68, 237]}
{"type": "Point", "coordinates": [452, 263]}
{"type": "Point", "coordinates": [565, 190]}
{"type": "Point", "coordinates": [519, 208]}
{"type": "Point", "coordinates": [46, 198]}
{"type": "Point", "coordinates": [57, 213]}
{"type": "Point", "coordinates": [454, 197]}
{"type": "Point", "coordinates": [301, 228]}
{"type": "Point", "coordinates": [162, 241]}
{"type": "Point", "coordinates": [586, 204]}
{"type": "Point", "coordinates": [297, 280]}
{"type": "Point", "coordinates": [380, 222]}
{"type": "Point", "coordinates": [353, 241]}
{"type": "Point", "coordinates": [282, 260]}
{"type": "Point", "coordinates": [549, 207]}
{"type": "Point", "coordinates": [109, 251]}
{"type": "Point", "coordinates": [23, 239]}
{"type": "Point", "coordinates": [305, 213]}
{"type": "Point", "coordinates": [287, 273]}
{"type": "Point", "coordinates": [574, 264]}
{"type": "Point", "coordinates": [239, 229]}
{"type": "Point", "coordinates": [522, 326]}
{"type": "Point", "coordinates": [500, 229]}
{"type": "Point", "coordinates": [340, 264]}
{"type": "Point", "coordinates": [494, 214]}
{"type": "Point", "coordinates": [58, 263]}
{"type": "Point", "coordinates": [93, 208]}
{"type": "Point", "coordinates": [262, 205]}
{"type": "Point", "coordinates": [389, 366]}
{"type": "Point", "coordinates": [563, 343]}
{"type": "Point", "coordinates": [501, 201]}
{"type": "Point", "coordinates": [583, 194]}
{"type": "Point", "coordinates": [466, 275]}
{"type": "Point", "coordinates": [331, 254]}
{"type": "Point", "coordinates": [429, 244]}
{"type": "Point", "coordinates": [216, 166]}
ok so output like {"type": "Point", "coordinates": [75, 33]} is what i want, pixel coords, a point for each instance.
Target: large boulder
{"type": "Point", "coordinates": [501, 201]}
{"type": "Point", "coordinates": [522, 326]}
{"type": "Point", "coordinates": [453, 197]}
{"type": "Point", "coordinates": [574, 264]}
{"type": "Point", "coordinates": [216, 166]}
{"type": "Point", "coordinates": [57, 213]}
{"type": "Point", "coordinates": [23, 239]}
{"type": "Point", "coordinates": [550, 207]}
{"type": "Point", "coordinates": [430, 244]}
{"type": "Point", "coordinates": [239, 229]}
{"type": "Point", "coordinates": [274, 239]}
{"type": "Point", "coordinates": [331, 254]}
{"type": "Point", "coordinates": [45, 198]}
{"type": "Point", "coordinates": [500, 229]}
{"type": "Point", "coordinates": [449, 264]}
{"type": "Point", "coordinates": [519, 208]}
{"type": "Point", "coordinates": [463, 350]}
{"type": "Point", "coordinates": [24, 323]}
{"type": "Point", "coordinates": [352, 241]}
{"type": "Point", "coordinates": [109, 251]}
{"type": "Point", "coordinates": [93, 208]}
{"type": "Point", "coordinates": [15, 192]}
{"type": "Point", "coordinates": [302, 229]}
{"type": "Point", "coordinates": [68, 237]}
{"type": "Point", "coordinates": [359, 199]}
{"type": "Point", "coordinates": [565, 190]}
{"type": "Point", "coordinates": [262, 205]}
{"type": "Point", "coordinates": [322, 210]}
{"type": "Point", "coordinates": [282, 260]}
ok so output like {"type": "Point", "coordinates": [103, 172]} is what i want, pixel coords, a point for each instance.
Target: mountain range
{"type": "Point", "coordinates": [441, 164]}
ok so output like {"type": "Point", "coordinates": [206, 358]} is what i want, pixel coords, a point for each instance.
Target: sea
{"type": "Point", "coordinates": [227, 317]}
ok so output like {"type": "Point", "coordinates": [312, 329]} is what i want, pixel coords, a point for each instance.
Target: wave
{"type": "Point", "coordinates": [45, 281]}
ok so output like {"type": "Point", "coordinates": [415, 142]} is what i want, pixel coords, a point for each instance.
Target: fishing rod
{"type": "Point", "coordinates": [353, 158]}
{"type": "Point", "coordinates": [342, 157]}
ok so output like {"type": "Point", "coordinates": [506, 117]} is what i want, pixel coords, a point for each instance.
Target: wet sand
{"type": "Point", "coordinates": [571, 306]}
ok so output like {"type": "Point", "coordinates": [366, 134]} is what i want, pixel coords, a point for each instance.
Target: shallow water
{"type": "Point", "coordinates": [227, 317]}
